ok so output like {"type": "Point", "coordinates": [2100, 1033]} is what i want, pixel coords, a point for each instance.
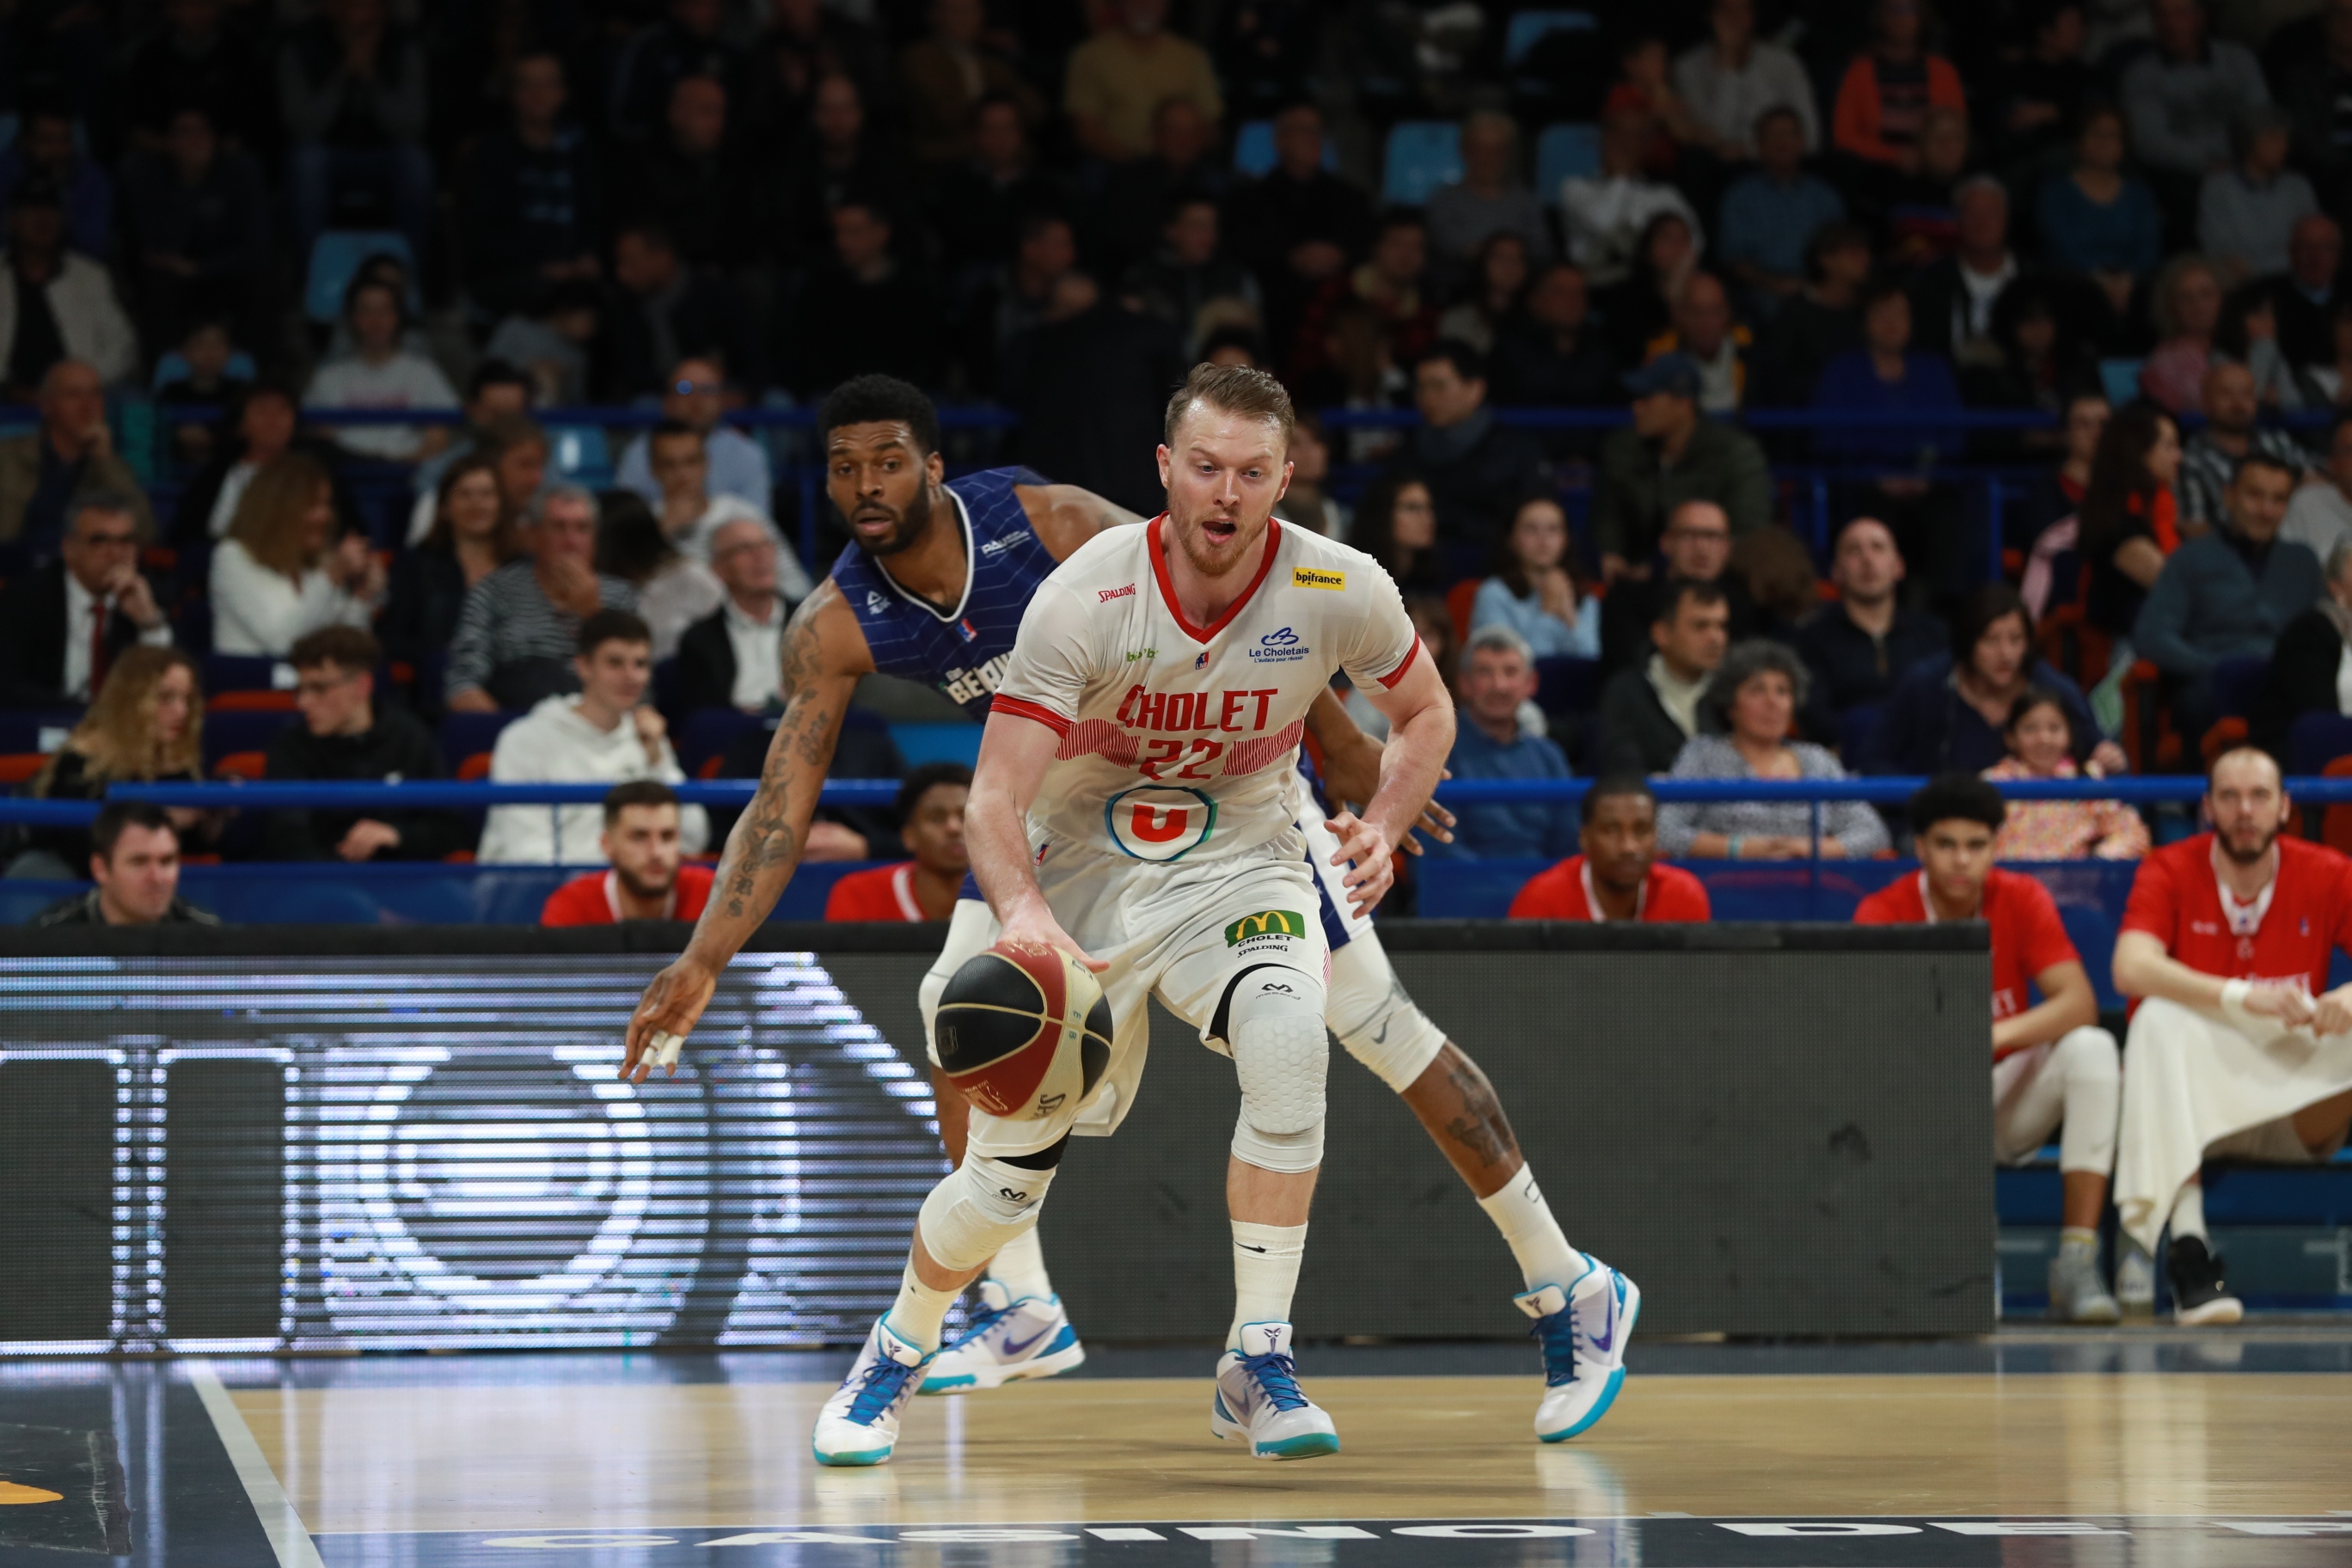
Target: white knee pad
{"type": "Point", "coordinates": [979, 1207]}
{"type": "Point", "coordinates": [1281, 1053]}
{"type": "Point", "coordinates": [1375, 1019]}
{"type": "Point", "coordinates": [2092, 1070]}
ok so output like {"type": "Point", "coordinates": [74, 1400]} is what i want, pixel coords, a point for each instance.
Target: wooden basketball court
{"type": "Point", "coordinates": [2108, 1448]}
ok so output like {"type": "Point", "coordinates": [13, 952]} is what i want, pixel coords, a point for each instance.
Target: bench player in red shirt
{"type": "Point", "coordinates": [2050, 1062]}
{"type": "Point", "coordinates": [1617, 877]}
{"type": "Point", "coordinates": [2238, 1048]}
{"type": "Point", "coordinates": [931, 822]}
{"type": "Point", "coordinates": [647, 881]}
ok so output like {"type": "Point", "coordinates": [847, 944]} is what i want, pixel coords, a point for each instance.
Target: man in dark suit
{"type": "Point", "coordinates": [731, 658]}
{"type": "Point", "coordinates": [1696, 547]}
{"type": "Point", "coordinates": [63, 625]}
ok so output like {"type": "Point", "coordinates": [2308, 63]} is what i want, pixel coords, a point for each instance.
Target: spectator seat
{"type": "Point", "coordinates": [1565, 153]}
{"type": "Point", "coordinates": [18, 767]}
{"type": "Point", "coordinates": [336, 254]}
{"type": "Point", "coordinates": [2149, 739]}
{"type": "Point", "coordinates": [1528, 29]}
{"type": "Point", "coordinates": [2120, 379]}
{"type": "Point", "coordinates": [243, 730]}
{"type": "Point", "coordinates": [243, 765]}
{"type": "Point", "coordinates": [465, 734]}
{"type": "Point", "coordinates": [1422, 155]}
{"type": "Point", "coordinates": [2237, 685]}
{"type": "Point", "coordinates": [173, 366]}
{"type": "Point", "coordinates": [249, 702]}
{"type": "Point", "coordinates": [1857, 728]}
{"type": "Point", "coordinates": [2317, 739]}
{"type": "Point", "coordinates": [1566, 686]}
{"type": "Point", "coordinates": [2070, 643]}
{"type": "Point", "coordinates": [475, 768]}
{"type": "Point", "coordinates": [227, 672]}
{"type": "Point", "coordinates": [1253, 155]}
{"type": "Point", "coordinates": [1460, 600]}
{"type": "Point", "coordinates": [43, 729]}
{"type": "Point", "coordinates": [579, 453]}
{"type": "Point", "coordinates": [707, 733]}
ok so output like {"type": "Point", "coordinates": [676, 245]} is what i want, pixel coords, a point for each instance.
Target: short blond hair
{"type": "Point", "coordinates": [1235, 389]}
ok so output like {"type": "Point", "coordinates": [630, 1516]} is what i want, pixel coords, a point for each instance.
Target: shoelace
{"type": "Point", "coordinates": [1558, 1335]}
{"type": "Point", "coordinates": [984, 1319]}
{"type": "Point", "coordinates": [883, 1381]}
{"type": "Point", "coordinates": [1278, 1376]}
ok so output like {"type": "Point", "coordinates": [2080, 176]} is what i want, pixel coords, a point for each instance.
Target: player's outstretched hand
{"type": "Point", "coordinates": [1368, 851]}
{"type": "Point", "coordinates": [666, 1015]}
{"type": "Point", "coordinates": [1048, 934]}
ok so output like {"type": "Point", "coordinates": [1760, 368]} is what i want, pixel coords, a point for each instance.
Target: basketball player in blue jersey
{"type": "Point", "coordinates": [933, 589]}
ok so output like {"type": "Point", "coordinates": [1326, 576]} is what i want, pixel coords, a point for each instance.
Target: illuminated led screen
{"type": "Point", "coordinates": [426, 1152]}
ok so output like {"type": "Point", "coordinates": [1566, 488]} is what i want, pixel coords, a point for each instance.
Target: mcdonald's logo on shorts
{"type": "Point", "coordinates": [1266, 922]}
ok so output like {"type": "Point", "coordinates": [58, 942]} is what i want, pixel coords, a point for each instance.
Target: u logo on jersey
{"type": "Point", "coordinates": [1160, 822]}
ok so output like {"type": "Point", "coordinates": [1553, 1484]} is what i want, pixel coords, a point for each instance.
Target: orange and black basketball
{"type": "Point", "coordinates": [1023, 1031]}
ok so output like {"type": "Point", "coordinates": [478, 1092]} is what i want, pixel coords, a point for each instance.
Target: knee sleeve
{"type": "Point", "coordinates": [2093, 1072]}
{"type": "Point", "coordinates": [2088, 1056]}
{"type": "Point", "coordinates": [1274, 1023]}
{"type": "Point", "coordinates": [1375, 1019]}
{"type": "Point", "coordinates": [980, 1205]}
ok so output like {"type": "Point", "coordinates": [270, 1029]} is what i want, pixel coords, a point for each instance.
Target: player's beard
{"type": "Point", "coordinates": [2248, 857]}
{"type": "Point", "coordinates": [645, 890]}
{"type": "Point", "coordinates": [908, 527]}
{"type": "Point", "coordinates": [1214, 558]}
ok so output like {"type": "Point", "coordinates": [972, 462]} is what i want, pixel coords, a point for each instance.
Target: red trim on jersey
{"type": "Point", "coordinates": [1167, 590]}
{"type": "Point", "coordinates": [1393, 675]}
{"type": "Point", "coordinates": [1021, 708]}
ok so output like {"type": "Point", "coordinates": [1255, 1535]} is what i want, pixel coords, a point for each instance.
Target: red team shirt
{"type": "Point", "coordinates": [2027, 936]}
{"type": "Point", "coordinates": [1669, 895]}
{"type": "Point", "coordinates": [884, 894]}
{"type": "Point", "coordinates": [588, 901]}
{"type": "Point", "coordinates": [2177, 898]}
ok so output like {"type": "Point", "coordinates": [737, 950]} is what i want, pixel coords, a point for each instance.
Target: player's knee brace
{"type": "Point", "coordinates": [1375, 1019]}
{"type": "Point", "coordinates": [1275, 1024]}
{"type": "Point", "coordinates": [2088, 1055]}
{"type": "Point", "coordinates": [981, 1204]}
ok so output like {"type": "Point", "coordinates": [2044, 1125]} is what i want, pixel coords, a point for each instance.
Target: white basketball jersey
{"type": "Point", "coordinates": [1178, 742]}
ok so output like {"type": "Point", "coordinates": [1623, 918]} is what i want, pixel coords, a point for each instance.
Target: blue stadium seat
{"type": "Point", "coordinates": [465, 734]}
{"type": "Point", "coordinates": [1254, 156]}
{"type": "Point", "coordinates": [1566, 686]}
{"type": "Point", "coordinates": [24, 730]}
{"type": "Point", "coordinates": [708, 733]}
{"type": "Point", "coordinates": [1856, 726]}
{"type": "Point", "coordinates": [173, 366]}
{"type": "Point", "coordinates": [1529, 27]}
{"type": "Point", "coordinates": [2120, 379]}
{"type": "Point", "coordinates": [1422, 155]}
{"type": "Point", "coordinates": [242, 672]}
{"type": "Point", "coordinates": [579, 453]}
{"type": "Point", "coordinates": [1565, 153]}
{"type": "Point", "coordinates": [2317, 739]}
{"type": "Point", "coordinates": [336, 254]}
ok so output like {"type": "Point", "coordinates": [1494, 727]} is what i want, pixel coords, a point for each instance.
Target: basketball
{"type": "Point", "coordinates": [1023, 1031]}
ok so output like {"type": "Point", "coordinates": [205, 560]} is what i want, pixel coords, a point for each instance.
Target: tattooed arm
{"type": "Point", "coordinates": [824, 654]}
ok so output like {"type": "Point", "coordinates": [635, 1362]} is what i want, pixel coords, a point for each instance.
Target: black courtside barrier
{"type": "Point", "coordinates": [406, 1137]}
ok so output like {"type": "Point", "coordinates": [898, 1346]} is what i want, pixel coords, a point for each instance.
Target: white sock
{"type": "Point", "coordinates": [2071, 1239]}
{"type": "Point", "coordinates": [1265, 1274]}
{"type": "Point", "coordinates": [1020, 1267]}
{"type": "Point", "coordinates": [1519, 1212]}
{"type": "Point", "coordinates": [919, 1313]}
{"type": "Point", "coordinates": [2188, 1212]}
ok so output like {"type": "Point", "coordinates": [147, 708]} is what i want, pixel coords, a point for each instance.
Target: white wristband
{"type": "Point", "coordinates": [2233, 995]}
{"type": "Point", "coordinates": [2234, 1011]}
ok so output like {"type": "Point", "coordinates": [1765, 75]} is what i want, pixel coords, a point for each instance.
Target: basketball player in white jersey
{"type": "Point", "coordinates": [1160, 796]}
{"type": "Point", "coordinates": [884, 471]}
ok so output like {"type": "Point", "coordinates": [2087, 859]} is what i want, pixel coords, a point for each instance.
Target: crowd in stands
{"type": "Point", "coordinates": [2122, 221]}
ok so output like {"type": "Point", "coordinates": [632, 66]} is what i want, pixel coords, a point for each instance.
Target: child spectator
{"type": "Point", "coordinates": [381, 372]}
{"type": "Point", "coordinates": [2040, 735]}
{"type": "Point", "coordinates": [280, 572]}
{"type": "Point", "coordinates": [930, 824]}
{"type": "Point", "coordinates": [1618, 875]}
{"type": "Point", "coordinates": [1947, 713]}
{"type": "Point", "coordinates": [1755, 696]}
{"type": "Point", "coordinates": [648, 880]}
{"type": "Point", "coordinates": [346, 736]}
{"type": "Point", "coordinates": [603, 734]}
{"type": "Point", "coordinates": [1538, 591]}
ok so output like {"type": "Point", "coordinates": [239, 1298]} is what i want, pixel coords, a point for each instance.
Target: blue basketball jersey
{"type": "Point", "coordinates": [964, 651]}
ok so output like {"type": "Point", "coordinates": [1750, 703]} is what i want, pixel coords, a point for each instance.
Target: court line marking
{"type": "Point", "coordinates": [288, 1537]}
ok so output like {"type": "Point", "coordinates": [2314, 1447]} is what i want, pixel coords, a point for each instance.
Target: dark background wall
{"type": "Point", "coordinates": [1776, 1131]}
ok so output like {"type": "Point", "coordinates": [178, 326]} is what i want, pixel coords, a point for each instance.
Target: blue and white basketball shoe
{"type": "Point", "coordinates": [1583, 1330]}
{"type": "Point", "coordinates": [859, 1424]}
{"type": "Point", "coordinates": [1258, 1398]}
{"type": "Point", "coordinates": [1007, 1342]}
